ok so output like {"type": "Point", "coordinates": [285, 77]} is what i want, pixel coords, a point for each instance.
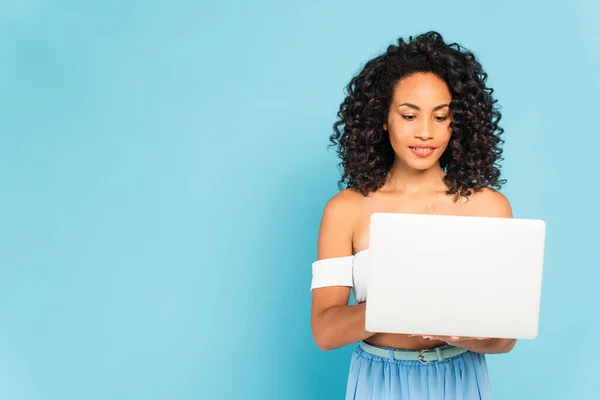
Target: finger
{"type": "Point", "coordinates": [426, 337]}
{"type": "Point", "coordinates": [435, 337]}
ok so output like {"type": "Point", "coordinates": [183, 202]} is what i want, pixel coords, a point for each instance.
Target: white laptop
{"type": "Point", "coordinates": [455, 276]}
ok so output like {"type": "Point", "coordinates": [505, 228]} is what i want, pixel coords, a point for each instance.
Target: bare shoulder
{"type": "Point", "coordinates": [344, 201]}
{"type": "Point", "coordinates": [490, 203]}
{"type": "Point", "coordinates": [337, 224]}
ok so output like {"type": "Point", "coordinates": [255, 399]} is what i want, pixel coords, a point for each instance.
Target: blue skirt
{"type": "Point", "coordinates": [464, 377]}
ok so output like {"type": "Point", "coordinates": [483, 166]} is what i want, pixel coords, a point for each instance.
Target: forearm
{"type": "Point", "coordinates": [492, 346]}
{"type": "Point", "coordinates": [340, 325]}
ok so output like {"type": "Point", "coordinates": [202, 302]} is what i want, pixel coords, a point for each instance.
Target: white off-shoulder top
{"type": "Point", "coordinates": [351, 271]}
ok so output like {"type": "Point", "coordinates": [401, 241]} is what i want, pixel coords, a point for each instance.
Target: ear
{"type": "Point", "coordinates": [385, 126]}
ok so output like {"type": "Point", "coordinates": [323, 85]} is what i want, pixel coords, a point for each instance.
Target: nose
{"type": "Point", "coordinates": [424, 130]}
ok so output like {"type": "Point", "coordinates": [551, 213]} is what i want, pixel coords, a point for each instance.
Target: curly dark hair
{"type": "Point", "coordinates": [473, 153]}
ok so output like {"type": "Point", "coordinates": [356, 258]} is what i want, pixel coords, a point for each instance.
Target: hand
{"type": "Point", "coordinates": [450, 339]}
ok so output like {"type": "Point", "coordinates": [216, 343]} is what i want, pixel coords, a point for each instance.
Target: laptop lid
{"type": "Point", "coordinates": [452, 275]}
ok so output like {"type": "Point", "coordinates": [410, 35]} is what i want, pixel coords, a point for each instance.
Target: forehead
{"type": "Point", "coordinates": [422, 88]}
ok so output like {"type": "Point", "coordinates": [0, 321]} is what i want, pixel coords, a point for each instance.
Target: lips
{"type": "Point", "coordinates": [422, 151]}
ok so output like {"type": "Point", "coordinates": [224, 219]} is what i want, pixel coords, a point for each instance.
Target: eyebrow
{"type": "Point", "coordinates": [419, 109]}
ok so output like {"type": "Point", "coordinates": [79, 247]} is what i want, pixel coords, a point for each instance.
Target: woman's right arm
{"type": "Point", "coordinates": [334, 322]}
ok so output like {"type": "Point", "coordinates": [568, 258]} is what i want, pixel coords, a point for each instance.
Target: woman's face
{"type": "Point", "coordinates": [419, 120]}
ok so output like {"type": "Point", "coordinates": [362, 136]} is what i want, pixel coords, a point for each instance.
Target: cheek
{"type": "Point", "coordinates": [445, 134]}
{"type": "Point", "coordinates": [400, 134]}
{"type": "Point", "coordinates": [399, 140]}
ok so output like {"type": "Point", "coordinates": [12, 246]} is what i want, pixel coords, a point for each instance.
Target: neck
{"type": "Point", "coordinates": [412, 181]}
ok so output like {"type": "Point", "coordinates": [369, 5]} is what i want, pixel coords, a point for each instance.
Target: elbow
{"type": "Point", "coordinates": [323, 346]}
{"type": "Point", "coordinates": [323, 337]}
{"type": "Point", "coordinates": [507, 346]}
{"type": "Point", "coordinates": [511, 345]}
{"type": "Point", "coordinates": [326, 333]}
{"type": "Point", "coordinates": [322, 341]}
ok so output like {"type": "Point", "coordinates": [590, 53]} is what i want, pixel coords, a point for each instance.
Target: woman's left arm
{"type": "Point", "coordinates": [488, 203]}
{"type": "Point", "coordinates": [491, 346]}
{"type": "Point", "coordinates": [476, 345]}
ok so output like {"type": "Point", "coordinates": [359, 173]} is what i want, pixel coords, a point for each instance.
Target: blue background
{"type": "Point", "coordinates": [164, 165]}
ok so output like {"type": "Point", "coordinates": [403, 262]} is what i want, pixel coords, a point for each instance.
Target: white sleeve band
{"type": "Point", "coordinates": [332, 272]}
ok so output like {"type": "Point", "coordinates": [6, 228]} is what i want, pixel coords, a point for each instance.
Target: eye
{"type": "Point", "coordinates": [441, 119]}
{"type": "Point", "coordinates": [409, 117]}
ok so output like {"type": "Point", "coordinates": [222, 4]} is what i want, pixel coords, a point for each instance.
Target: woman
{"type": "Point", "coordinates": [417, 133]}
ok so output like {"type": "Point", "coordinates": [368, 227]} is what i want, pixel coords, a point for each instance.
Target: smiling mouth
{"type": "Point", "coordinates": [422, 151]}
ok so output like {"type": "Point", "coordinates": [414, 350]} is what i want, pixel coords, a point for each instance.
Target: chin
{"type": "Point", "coordinates": [422, 165]}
